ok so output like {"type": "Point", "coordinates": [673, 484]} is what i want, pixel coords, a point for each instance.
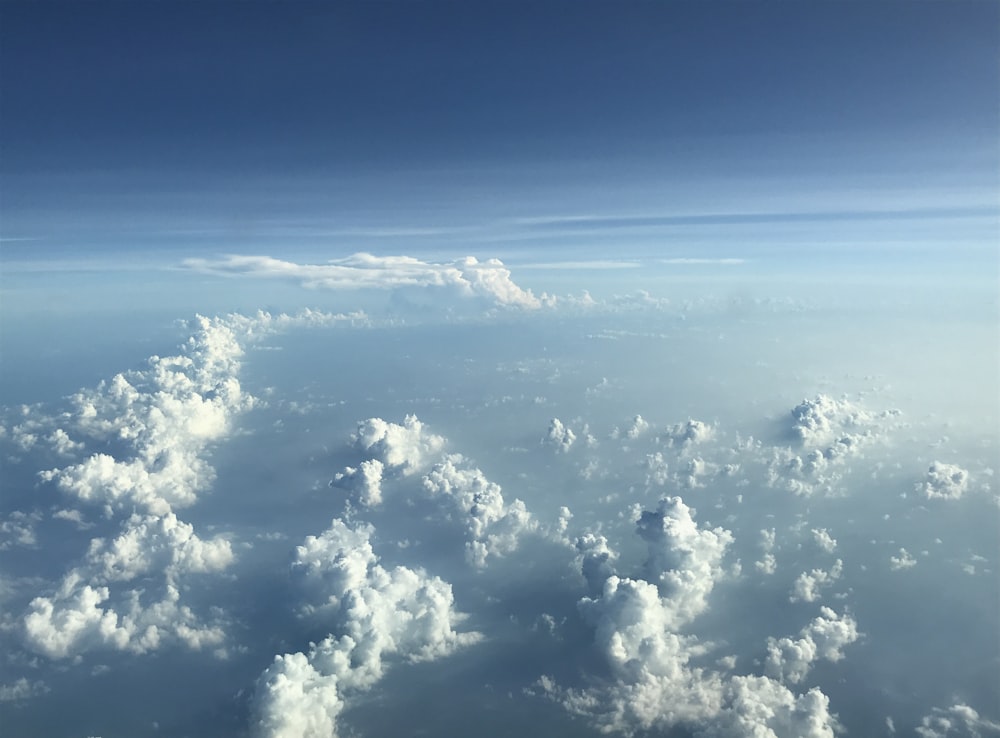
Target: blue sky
{"type": "Point", "coordinates": [165, 128]}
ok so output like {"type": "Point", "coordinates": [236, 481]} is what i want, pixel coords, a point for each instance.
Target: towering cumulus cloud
{"type": "Point", "coordinates": [158, 423]}
{"type": "Point", "coordinates": [467, 277]}
{"type": "Point", "coordinates": [379, 613]}
{"type": "Point", "coordinates": [656, 680]}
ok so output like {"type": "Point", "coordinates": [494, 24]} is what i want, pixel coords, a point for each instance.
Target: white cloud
{"type": "Point", "coordinates": [381, 613]}
{"type": "Point", "coordinates": [595, 559]}
{"type": "Point", "coordinates": [944, 482]}
{"type": "Point", "coordinates": [365, 481]}
{"type": "Point", "coordinates": [758, 706]}
{"type": "Point", "coordinates": [76, 619]}
{"type": "Point", "coordinates": [19, 530]}
{"type": "Point", "coordinates": [494, 528]}
{"type": "Point", "coordinates": [560, 436]}
{"type": "Point", "coordinates": [808, 585]}
{"type": "Point", "coordinates": [638, 427]}
{"type": "Point", "coordinates": [407, 447]}
{"type": "Point", "coordinates": [22, 689]}
{"type": "Point", "coordinates": [958, 720]}
{"type": "Point", "coordinates": [824, 638]}
{"type": "Point", "coordinates": [467, 277]}
{"type": "Point", "coordinates": [767, 564]}
{"type": "Point", "coordinates": [126, 594]}
{"type": "Point", "coordinates": [823, 539]}
{"type": "Point", "coordinates": [685, 561]}
{"type": "Point", "coordinates": [903, 561]}
{"type": "Point", "coordinates": [689, 432]}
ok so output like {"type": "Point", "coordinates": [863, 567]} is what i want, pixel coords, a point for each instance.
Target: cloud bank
{"type": "Point", "coordinates": [467, 277]}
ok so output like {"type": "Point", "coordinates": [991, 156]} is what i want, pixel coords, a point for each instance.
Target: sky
{"type": "Point", "coordinates": [144, 128]}
{"type": "Point", "coordinates": [558, 368]}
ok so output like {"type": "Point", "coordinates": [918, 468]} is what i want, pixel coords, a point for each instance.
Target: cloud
{"type": "Point", "coordinates": [365, 481]}
{"type": "Point", "coordinates": [407, 447]}
{"type": "Point", "coordinates": [903, 561]}
{"type": "Point", "coordinates": [19, 530]}
{"type": "Point", "coordinates": [494, 528]}
{"type": "Point", "coordinates": [684, 560]}
{"type": "Point", "coordinates": [827, 432]}
{"type": "Point", "coordinates": [467, 277]}
{"type": "Point", "coordinates": [22, 689]}
{"type": "Point", "coordinates": [767, 564]}
{"type": "Point", "coordinates": [559, 436]}
{"type": "Point", "coordinates": [378, 613]}
{"type": "Point", "coordinates": [126, 594]}
{"type": "Point", "coordinates": [824, 638]}
{"type": "Point", "coordinates": [944, 482]}
{"type": "Point", "coordinates": [164, 417]}
{"type": "Point", "coordinates": [689, 432]}
{"type": "Point", "coordinates": [823, 539]}
{"type": "Point", "coordinates": [596, 559]}
{"type": "Point", "coordinates": [958, 720]}
{"type": "Point", "coordinates": [808, 585]}
{"type": "Point", "coordinates": [76, 619]}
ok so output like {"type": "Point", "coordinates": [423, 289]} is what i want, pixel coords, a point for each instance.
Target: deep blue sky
{"type": "Point", "coordinates": [188, 119]}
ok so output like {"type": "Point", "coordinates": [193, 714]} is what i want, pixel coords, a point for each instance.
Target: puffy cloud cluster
{"type": "Point", "coordinates": [22, 689]}
{"type": "Point", "coordinates": [684, 561]}
{"type": "Point", "coordinates": [829, 432]}
{"type": "Point", "coordinates": [944, 482]}
{"type": "Point", "coordinates": [758, 706]}
{"type": "Point", "coordinates": [789, 660]}
{"type": "Point", "coordinates": [809, 583]}
{"type": "Point", "coordinates": [159, 423]}
{"type": "Point", "coordinates": [767, 564]}
{"type": "Point", "coordinates": [77, 619]}
{"type": "Point", "coordinates": [560, 436]}
{"type": "Point", "coordinates": [823, 421]}
{"type": "Point", "coordinates": [689, 432]}
{"type": "Point", "coordinates": [407, 447]}
{"type": "Point", "coordinates": [378, 613]}
{"type": "Point", "coordinates": [823, 539]}
{"type": "Point", "coordinates": [595, 559]}
{"type": "Point", "coordinates": [656, 682]}
{"type": "Point", "coordinates": [164, 417]}
{"type": "Point", "coordinates": [903, 561]}
{"type": "Point", "coordinates": [468, 277]}
{"type": "Point", "coordinates": [494, 528]}
{"type": "Point", "coordinates": [365, 480]}
{"type": "Point", "coordinates": [81, 616]}
{"type": "Point", "coordinates": [959, 720]}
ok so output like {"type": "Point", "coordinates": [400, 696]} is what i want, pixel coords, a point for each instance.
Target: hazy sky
{"type": "Point", "coordinates": [327, 128]}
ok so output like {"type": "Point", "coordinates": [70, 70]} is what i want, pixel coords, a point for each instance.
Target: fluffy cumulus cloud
{"type": "Point", "coordinates": [560, 436]}
{"type": "Point", "coordinates": [809, 584]}
{"type": "Point", "coordinates": [827, 433]}
{"type": "Point", "coordinates": [126, 593]}
{"type": "Point", "coordinates": [364, 480]}
{"type": "Point", "coordinates": [656, 682]}
{"type": "Point", "coordinates": [407, 448]}
{"type": "Point", "coordinates": [494, 527]}
{"type": "Point", "coordinates": [378, 614]}
{"type": "Point", "coordinates": [789, 660]}
{"type": "Point", "coordinates": [685, 561]}
{"type": "Point", "coordinates": [163, 418]}
{"type": "Point", "coordinates": [944, 482]}
{"type": "Point", "coordinates": [468, 277]}
{"type": "Point", "coordinates": [959, 720]}
{"type": "Point", "coordinates": [689, 432]}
